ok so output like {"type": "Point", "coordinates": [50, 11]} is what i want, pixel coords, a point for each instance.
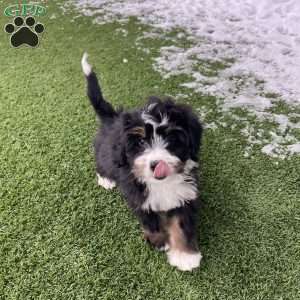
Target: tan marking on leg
{"type": "Point", "coordinates": [177, 238]}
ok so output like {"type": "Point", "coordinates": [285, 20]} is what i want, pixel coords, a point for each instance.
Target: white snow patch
{"type": "Point", "coordinates": [294, 148]}
{"type": "Point", "coordinates": [256, 42]}
{"type": "Point", "coordinates": [122, 31]}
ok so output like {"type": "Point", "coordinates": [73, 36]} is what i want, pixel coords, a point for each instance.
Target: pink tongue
{"type": "Point", "coordinates": [161, 170]}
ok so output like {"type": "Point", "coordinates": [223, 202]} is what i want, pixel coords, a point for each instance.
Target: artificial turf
{"type": "Point", "coordinates": [63, 237]}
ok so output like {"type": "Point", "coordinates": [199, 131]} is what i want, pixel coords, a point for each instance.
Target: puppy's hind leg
{"type": "Point", "coordinates": [105, 182]}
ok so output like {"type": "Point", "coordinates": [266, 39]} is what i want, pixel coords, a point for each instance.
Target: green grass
{"type": "Point", "coordinates": [62, 237]}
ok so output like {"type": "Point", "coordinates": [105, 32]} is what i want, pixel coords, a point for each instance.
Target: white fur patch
{"type": "Point", "coordinates": [184, 261]}
{"type": "Point", "coordinates": [151, 106]}
{"type": "Point", "coordinates": [105, 182]}
{"type": "Point", "coordinates": [164, 121]}
{"type": "Point", "coordinates": [166, 247]}
{"type": "Point", "coordinates": [86, 67]}
{"type": "Point", "coordinates": [171, 192]}
{"type": "Point", "coordinates": [148, 119]}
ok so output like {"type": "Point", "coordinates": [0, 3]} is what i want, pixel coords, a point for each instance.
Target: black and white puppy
{"type": "Point", "coordinates": [151, 155]}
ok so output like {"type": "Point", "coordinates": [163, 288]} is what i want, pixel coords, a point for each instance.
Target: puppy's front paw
{"type": "Point", "coordinates": [105, 182]}
{"type": "Point", "coordinates": [184, 261]}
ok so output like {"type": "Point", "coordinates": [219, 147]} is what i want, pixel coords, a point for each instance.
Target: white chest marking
{"type": "Point", "coordinates": [171, 192]}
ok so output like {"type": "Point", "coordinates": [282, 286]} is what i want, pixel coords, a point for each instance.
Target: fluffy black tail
{"type": "Point", "coordinates": [102, 108]}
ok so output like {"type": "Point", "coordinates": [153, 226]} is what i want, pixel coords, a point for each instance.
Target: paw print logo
{"type": "Point", "coordinates": [24, 33]}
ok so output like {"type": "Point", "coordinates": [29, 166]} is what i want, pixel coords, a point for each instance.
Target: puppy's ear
{"type": "Point", "coordinates": [190, 122]}
{"type": "Point", "coordinates": [123, 158]}
{"type": "Point", "coordinates": [195, 134]}
{"type": "Point", "coordinates": [127, 121]}
{"type": "Point", "coordinates": [119, 154]}
{"type": "Point", "coordinates": [120, 157]}
{"type": "Point", "coordinates": [130, 126]}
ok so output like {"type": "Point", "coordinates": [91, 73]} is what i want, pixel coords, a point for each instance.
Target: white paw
{"type": "Point", "coordinates": [184, 261]}
{"type": "Point", "coordinates": [105, 182]}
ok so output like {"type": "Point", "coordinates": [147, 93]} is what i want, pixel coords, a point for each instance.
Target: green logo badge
{"type": "Point", "coordinates": [24, 10]}
{"type": "Point", "coordinates": [24, 30]}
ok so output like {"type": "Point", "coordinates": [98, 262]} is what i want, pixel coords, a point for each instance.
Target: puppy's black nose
{"type": "Point", "coordinates": [153, 164]}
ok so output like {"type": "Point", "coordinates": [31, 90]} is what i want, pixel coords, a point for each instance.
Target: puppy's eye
{"type": "Point", "coordinates": [177, 136]}
{"type": "Point", "coordinates": [141, 142]}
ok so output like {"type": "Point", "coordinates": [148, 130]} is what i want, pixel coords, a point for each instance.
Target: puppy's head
{"type": "Point", "coordinates": [160, 140]}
